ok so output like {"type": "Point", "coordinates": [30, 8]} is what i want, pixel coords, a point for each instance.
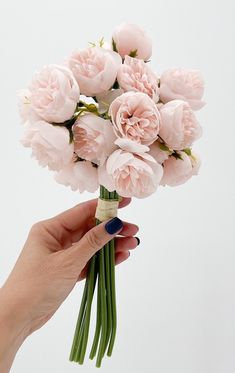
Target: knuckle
{"type": "Point", "coordinates": [94, 240]}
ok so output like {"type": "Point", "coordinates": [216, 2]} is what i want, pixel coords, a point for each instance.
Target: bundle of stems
{"type": "Point", "coordinates": [101, 271]}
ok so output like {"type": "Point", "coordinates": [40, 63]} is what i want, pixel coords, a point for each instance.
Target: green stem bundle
{"type": "Point", "coordinates": [101, 271]}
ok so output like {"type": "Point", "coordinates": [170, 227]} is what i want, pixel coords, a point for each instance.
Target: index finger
{"type": "Point", "coordinates": [78, 215]}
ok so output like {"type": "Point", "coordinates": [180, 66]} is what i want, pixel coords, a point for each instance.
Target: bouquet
{"type": "Point", "coordinates": [103, 118]}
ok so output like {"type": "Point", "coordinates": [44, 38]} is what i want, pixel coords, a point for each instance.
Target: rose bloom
{"type": "Point", "coordinates": [180, 127]}
{"type": "Point", "coordinates": [50, 144]}
{"type": "Point", "coordinates": [93, 138]}
{"type": "Point", "coordinates": [130, 38]}
{"type": "Point", "coordinates": [178, 171]}
{"type": "Point", "coordinates": [130, 174]}
{"type": "Point", "coordinates": [157, 153]}
{"type": "Point", "coordinates": [95, 69]}
{"type": "Point", "coordinates": [135, 75]}
{"type": "Point", "coordinates": [81, 175]}
{"type": "Point", "coordinates": [136, 117]}
{"type": "Point", "coordinates": [54, 94]}
{"type": "Point", "coordinates": [182, 84]}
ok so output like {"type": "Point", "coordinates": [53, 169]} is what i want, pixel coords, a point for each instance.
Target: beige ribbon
{"type": "Point", "coordinates": [106, 209]}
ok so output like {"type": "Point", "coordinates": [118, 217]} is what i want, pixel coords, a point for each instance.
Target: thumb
{"type": "Point", "coordinates": [93, 241]}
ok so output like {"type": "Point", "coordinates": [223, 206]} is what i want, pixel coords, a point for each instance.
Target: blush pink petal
{"type": "Point", "coordinates": [135, 117]}
{"type": "Point", "coordinates": [95, 69]}
{"type": "Point", "coordinates": [135, 75]}
{"type": "Point", "coordinates": [82, 176]}
{"type": "Point", "coordinates": [129, 37]}
{"type": "Point", "coordinates": [182, 84]}
{"type": "Point", "coordinates": [94, 138]}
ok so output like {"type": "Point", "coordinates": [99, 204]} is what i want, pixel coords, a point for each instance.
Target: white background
{"type": "Point", "coordinates": [176, 293]}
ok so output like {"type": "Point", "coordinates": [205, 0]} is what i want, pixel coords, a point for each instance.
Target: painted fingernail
{"type": "Point", "coordinates": [113, 225]}
{"type": "Point", "coordinates": [138, 240]}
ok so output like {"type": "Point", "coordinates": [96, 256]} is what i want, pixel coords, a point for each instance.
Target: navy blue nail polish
{"type": "Point", "coordinates": [113, 225]}
{"type": "Point", "coordinates": [138, 240]}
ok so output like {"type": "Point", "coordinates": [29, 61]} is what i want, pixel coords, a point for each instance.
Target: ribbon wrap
{"type": "Point", "coordinates": [106, 209]}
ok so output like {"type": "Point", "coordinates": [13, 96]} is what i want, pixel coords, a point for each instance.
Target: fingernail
{"type": "Point", "coordinates": [138, 240]}
{"type": "Point", "coordinates": [113, 225]}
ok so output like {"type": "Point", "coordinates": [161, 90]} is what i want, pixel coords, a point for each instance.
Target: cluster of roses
{"type": "Point", "coordinates": [105, 118]}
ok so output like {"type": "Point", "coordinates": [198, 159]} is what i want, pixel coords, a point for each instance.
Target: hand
{"type": "Point", "coordinates": [54, 258]}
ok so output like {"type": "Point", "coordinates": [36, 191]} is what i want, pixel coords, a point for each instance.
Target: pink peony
{"type": "Point", "coordinates": [131, 175]}
{"type": "Point", "coordinates": [135, 75]}
{"type": "Point", "coordinates": [50, 144]}
{"type": "Point", "coordinates": [93, 138]}
{"type": "Point", "coordinates": [157, 153]}
{"type": "Point", "coordinates": [180, 127]}
{"type": "Point", "coordinates": [136, 117]}
{"type": "Point", "coordinates": [53, 94]}
{"type": "Point", "coordinates": [182, 84]}
{"type": "Point", "coordinates": [95, 69]}
{"type": "Point", "coordinates": [81, 175]}
{"type": "Point", "coordinates": [178, 171]}
{"type": "Point", "coordinates": [131, 39]}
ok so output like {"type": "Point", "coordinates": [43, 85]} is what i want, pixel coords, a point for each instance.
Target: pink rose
{"type": "Point", "coordinates": [95, 69]}
{"type": "Point", "coordinates": [81, 175]}
{"type": "Point", "coordinates": [93, 138]}
{"type": "Point", "coordinates": [182, 84]}
{"type": "Point", "coordinates": [131, 39]}
{"type": "Point", "coordinates": [135, 75]}
{"type": "Point", "coordinates": [50, 144]}
{"type": "Point", "coordinates": [25, 108]}
{"type": "Point", "coordinates": [131, 175]}
{"type": "Point", "coordinates": [178, 171]}
{"type": "Point", "coordinates": [54, 94]}
{"type": "Point", "coordinates": [136, 117]}
{"type": "Point", "coordinates": [180, 127]}
{"type": "Point", "coordinates": [157, 153]}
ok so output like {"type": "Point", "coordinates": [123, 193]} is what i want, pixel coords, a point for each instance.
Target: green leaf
{"type": "Point", "coordinates": [188, 151]}
{"type": "Point", "coordinates": [164, 147]}
{"type": "Point", "coordinates": [114, 45]}
{"type": "Point", "coordinates": [133, 53]}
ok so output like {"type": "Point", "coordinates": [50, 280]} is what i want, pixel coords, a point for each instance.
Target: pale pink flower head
{"type": "Point", "coordinates": [182, 84]}
{"type": "Point", "coordinates": [177, 171]}
{"type": "Point", "coordinates": [81, 176]}
{"type": "Point", "coordinates": [131, 39]}
{"type": "Point", "coordinates": [50, 144]}
{"type": "Point", "coordinates": [136, 117]}
{"type": "Point", "coordinates": [93, 138]}
{"type": "Point", "coordinates": [130, 174]}
{"type": "Point", "coordinates": [95, 69]}
{"type": "Point", "coordinates": [135, 75]}
{"type": "Point", "coordinates": [180, 127]}
{"type": "Point", "coordinates": [54, 94]}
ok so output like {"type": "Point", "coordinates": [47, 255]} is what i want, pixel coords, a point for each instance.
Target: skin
{"type": "Point", "coordinates": [54, 258]}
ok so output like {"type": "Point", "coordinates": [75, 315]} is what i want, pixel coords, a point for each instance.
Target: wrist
{"type": "Point", "coordinates": [13, 326]}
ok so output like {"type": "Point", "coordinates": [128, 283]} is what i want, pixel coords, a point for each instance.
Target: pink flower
{"type": "Point", "coordinates": [131, 175]}
{"type": "Point", "coordinates": [81, 175]}
{"type": "Point", "coordinates": [131, 39]}
{"type": "Point", "coordinates": [50, 144]}
{"type": "Point", "coordinates": [136, 117]}
{"type": "Point", "coordinates": [178, 171]}
{"type": "Point", "coordinates": [93, 138]}
{"type": "Point", "coordinates": [157, 153]}
{"type": "Point", "coordinates": [180, 127]}
{"type": "Point", "coordinates": [182, 84]}
{"type": "Point", "coordinates": [53, 94]}
{"type": "Point", "coordinates": [135, 75]}
{"type": "Point", "coordinates": [95, 69]}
